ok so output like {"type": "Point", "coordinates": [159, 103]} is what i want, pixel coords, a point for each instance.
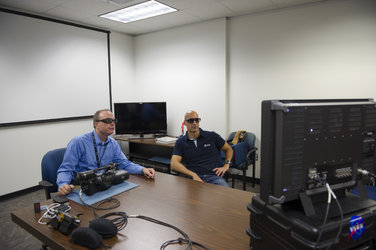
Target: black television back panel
{"type": "Point", "coordinates": [306, 139]}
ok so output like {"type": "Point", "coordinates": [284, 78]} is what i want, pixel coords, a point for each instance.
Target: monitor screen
{"type": "Point", "coordinates": [141, 118]}
{"type": "Point", "coordinates": [306, 140]}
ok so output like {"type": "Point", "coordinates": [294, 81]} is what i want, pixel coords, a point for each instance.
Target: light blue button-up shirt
{"type": "Point", "coordinates": [80, 156]}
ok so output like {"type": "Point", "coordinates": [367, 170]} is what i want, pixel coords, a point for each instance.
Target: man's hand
{"type": "Point", "coordinates": [177, 166]}
{"type": "Point", "coordinates": [222, 170]}
{"type": "Point", "coordinates": [195, 177]}
{"type": "Point", "coordinates": [149, 172]}
{"type": "Point", "coordinates": [65, 189]}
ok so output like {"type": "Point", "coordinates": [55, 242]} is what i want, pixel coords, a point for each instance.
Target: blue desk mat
{"type": "Point", "coordinates": [100, 196]}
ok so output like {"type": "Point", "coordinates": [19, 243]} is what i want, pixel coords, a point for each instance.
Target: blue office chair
{"type": "Point", "coordinates": [244, 156]}
{"type": "Point", "coordinates": [51, 161]}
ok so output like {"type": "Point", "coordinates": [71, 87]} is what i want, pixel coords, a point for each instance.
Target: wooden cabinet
{"type": "Point", "coordinates": [149, 153]}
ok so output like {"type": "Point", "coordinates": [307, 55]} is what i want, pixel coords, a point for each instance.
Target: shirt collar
{"type": "Point", "coordinates": [98, 140]}
{"type": "Point", "coordinates": [202, 134]}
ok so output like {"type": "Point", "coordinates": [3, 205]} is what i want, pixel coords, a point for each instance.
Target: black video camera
{"type": "Point", "coordinates": [93, 181]}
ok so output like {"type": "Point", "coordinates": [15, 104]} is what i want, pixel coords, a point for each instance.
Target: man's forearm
{"type": "Point", "coordinates": [63, 178]}
{"type": "Point", "coordinates": [179, 167]}
{"type": "Point", "coordinates": [228, 151]}
{"type": "Point", "coordinates": [228, 155]}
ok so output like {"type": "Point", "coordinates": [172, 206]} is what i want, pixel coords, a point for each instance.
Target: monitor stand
{"type": "Point", "coordinates": [349, 203]}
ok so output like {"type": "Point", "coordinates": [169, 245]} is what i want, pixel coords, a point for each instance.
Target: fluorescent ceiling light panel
{"type": "Point", "coordinates": [139, 11]}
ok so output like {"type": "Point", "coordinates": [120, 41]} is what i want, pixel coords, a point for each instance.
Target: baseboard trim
{"type": "Point", "coordinates": [20, 192]}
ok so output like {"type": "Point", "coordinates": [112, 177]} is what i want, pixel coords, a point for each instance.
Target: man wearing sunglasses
{"type": "Point", "coordinates": [197, 153]}
{"type": "Point", "coordinates": [93, 150]}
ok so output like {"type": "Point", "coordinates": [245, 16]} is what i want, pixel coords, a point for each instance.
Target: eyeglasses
{"type": "Point", "coordinates": [107, 120]}
{"type": "Point", "coordinates": [191, 120]}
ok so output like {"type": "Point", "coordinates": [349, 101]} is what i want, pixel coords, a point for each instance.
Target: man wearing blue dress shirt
{"type": "Point", "coordinates": [93, 150]}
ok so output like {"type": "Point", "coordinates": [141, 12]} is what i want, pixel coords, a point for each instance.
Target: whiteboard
{"type": "Point", "coordinates": [51, 70]}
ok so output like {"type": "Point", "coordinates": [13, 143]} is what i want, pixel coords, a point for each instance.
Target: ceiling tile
{"type": "Point", "coordinates": [209, 10]}
{"type": "Point", "coordinates": [29, 5]}
{"type": "Point", "coordinates": [246, 6]}
{"type": "Point", "coordinates": [190, 11]}
{"type": "Point", "coordinates": [288, 3]}
{"type": "Point", "coordinates": [68, 13]}
{"type": "Point", "coordinates": [91, 6]}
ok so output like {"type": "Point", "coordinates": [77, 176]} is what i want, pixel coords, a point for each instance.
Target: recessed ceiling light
{"type": "Point", "coordinates": [139, 11]}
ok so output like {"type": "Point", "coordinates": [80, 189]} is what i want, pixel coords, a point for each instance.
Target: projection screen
{"type": "Point", "coordinates": [51, 70]}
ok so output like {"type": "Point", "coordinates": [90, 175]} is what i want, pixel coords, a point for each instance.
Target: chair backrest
{"type": "Point", "coordinates": [240, 150]}
{"type": "Point", "coordinates": [250, 138]}
{"type": "Point", "coordinates": [51, 161]}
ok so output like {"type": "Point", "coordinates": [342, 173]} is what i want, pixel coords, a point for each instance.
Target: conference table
{"type": "Point", "coordinates": [212, 215]}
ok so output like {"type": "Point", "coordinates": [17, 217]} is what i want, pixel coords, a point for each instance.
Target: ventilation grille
{"type": "Point", "coordinates": [354, 119]}
{"type": "Point", "coordinates": [335, 120]}
{"type": "Point", "coordinates": [293, 152]}
{"type": "Point", "coordinates": [315, 122]}
{"type": "Point", "coordinates": [371, 117]}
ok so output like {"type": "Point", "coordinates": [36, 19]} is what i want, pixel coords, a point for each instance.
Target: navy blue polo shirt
{"type": "Point", "coordinates": [203, 158]}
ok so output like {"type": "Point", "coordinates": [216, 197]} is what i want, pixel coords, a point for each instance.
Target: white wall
{"type": "Point", "coordinates": [186, 67]}
{"type": "Point", "coordinates": [323, 50]}
{"type": "Point", "coordinates": [22, 149]}
{"type": "Point", "coordinates": [122, 66]}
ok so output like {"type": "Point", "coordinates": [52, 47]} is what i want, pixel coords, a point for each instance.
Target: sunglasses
{"type": "Point", "coordinates": [191, 120]}
{"type": "Point", "coordinates": [107, 120]}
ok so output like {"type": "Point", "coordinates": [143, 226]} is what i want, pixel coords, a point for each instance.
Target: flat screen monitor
{"type": "Point", "coordinates": [141, 118]}
{"type": "Point", "coordinates": [306, 140]}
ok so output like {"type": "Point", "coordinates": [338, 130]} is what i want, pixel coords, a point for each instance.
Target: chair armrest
{"type": "Point", "coordinates": [252, 152]}
{"type": "Point", "coordinates": [46, 185]}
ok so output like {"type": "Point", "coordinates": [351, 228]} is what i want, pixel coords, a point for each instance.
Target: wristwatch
{"type": "Point", "coordinates": [227, 162]}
